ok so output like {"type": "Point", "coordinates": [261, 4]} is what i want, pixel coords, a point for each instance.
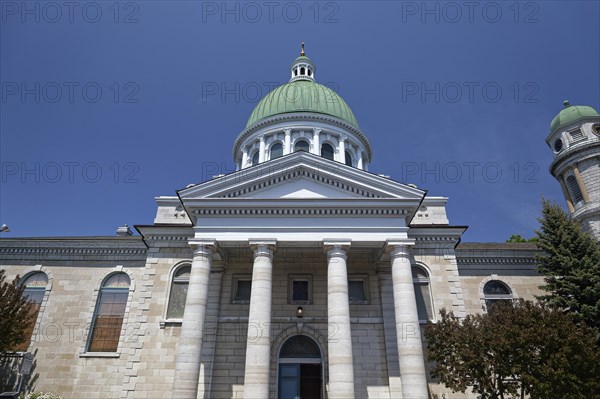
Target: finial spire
{"type": "Point", "coordinates": [566, 103]}
{"type": "Point", "coordinates": [302, 52]}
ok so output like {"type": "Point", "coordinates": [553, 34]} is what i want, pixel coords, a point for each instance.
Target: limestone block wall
{"type": "Point", "coordinates": [511, 263]}
{"type": "Point", "coordinates": [75, 273]}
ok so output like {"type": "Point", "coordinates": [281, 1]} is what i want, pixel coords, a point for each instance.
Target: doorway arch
{"type": "Point", "coordinates": [300, 369]}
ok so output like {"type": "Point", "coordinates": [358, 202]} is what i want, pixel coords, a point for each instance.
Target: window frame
{"type": "Point", "coordinates": [90, 332]}
{"type": "Point", "coordinates": [332, 151]}
{"type": "Point", "coordinates": [364, 278]}
{"type": "Point", "coordinates": [492, 298]}
{"type": "Point", "coordinates": [574, 200]}
{"type": "Point", "coordinates": [40, 306]}
{"type": "Point", "coordinates": [236, 278]}
{"type": "Point", "coordinates": [427, 282]}
{"type": "Point", "coordinates": [174, 270]}
{"type": "Point", "coordinates": [300, 277]}
{"type": "Point", "coordinates": [302, 139]}
{"type": "Point", "coordinates": [275, 143]}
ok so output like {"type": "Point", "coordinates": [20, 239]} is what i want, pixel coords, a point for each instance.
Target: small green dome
{"type": "Point", "coordinates": [570, 114]}
{"type": "Point", "coordinates": [302, 96]}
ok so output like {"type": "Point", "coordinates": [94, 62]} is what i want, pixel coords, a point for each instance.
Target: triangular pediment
{"type": "Point", "coordinates": [301, 176]}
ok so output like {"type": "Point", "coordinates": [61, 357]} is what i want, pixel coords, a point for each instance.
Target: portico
{"type": "Point", "coordinates": [305, 205]}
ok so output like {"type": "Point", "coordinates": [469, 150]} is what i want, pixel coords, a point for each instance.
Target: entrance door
{"type": "Point", "coordinates": [300, 381]}
{"type": "Point", "coordinates": [300, 369]}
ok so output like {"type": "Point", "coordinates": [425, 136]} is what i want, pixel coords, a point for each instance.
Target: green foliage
{"type": "Point", "coordinates": [15, 313]}
{"type": "Point", "coordinates": [516, 349]}
{"type": "Point", "coordinates": [519, 238]}
{"type": "Point", "coordinates": [570, 260]}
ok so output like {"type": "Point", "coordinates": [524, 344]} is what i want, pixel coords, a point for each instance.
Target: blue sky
{"type": "Point", "coordinates": [106, 104]}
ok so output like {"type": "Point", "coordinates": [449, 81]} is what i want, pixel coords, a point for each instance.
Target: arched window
{"type": "Point", "coordinates": [255, 158]}
{"type": "Point", "coordinates": [422, 293]}
{"type": "Point", "coordinates": [178, 293]}
{"type": "Point", "coordinates": [276, 150]}
{"type": "Point", "coordinates": [301, 145]}
{"type": "Point", "coordinates": [35, 288]}
{"type": "Point", "coordinates": [495, 291]}
{"type": "Point", "coordinates": [327, 151]}
{"type": "Point", "coordinates": [348, 159]}
{"type": "Point", "coordinates": [576, 195]}
{"type": "Point", "coordinates": [302, 71]}
{"type": "Point", "coordinates": [105, 330]}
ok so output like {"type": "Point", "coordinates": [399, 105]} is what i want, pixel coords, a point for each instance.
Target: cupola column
{"type": "Point", "coordinates": [342, 150]}
{"type": "Point", "coordinates": [189, 348]}
{"type": "Point", "coordinates": [339, 341]}
{"type": "Point", "coordinates": [261, 150]}
{"type": "Point", "coordinates": [258, 345]}
{"type": "Point", "coordinates": [408, 332]}
{"type": "Point", "coordinates": [316, 144]}
{"type": "Point", "coordinates": [287, 145]}
{"type": "Point", "coordinates": [244, 158]}
{"type": "Point", "coordinates": [359, 161]}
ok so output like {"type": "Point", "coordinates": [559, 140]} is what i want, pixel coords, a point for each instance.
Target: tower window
{"type": "Point", "coordinates": [301, 145]}
{"type": "Point", "coordinates": [576, 135]}
{"type": "Point", "coordinates": [276, 151]}
{"type": "Point", "coordinates": [558, 145]}
{"type": "Point", "coordinates": [576, 195]}
{"type": "Point", "coordinates": [295, 71]}
{"type": "Point", "coordinates": [327, 151]}
{"type": "Point", "coordinates": [309, 72]}
{"type": "Point", "coordinates": [255, 158]}
{"type": "Point", "coordinates": [302, 71]}
{"type": "Point", "coordinates": [348, 159]}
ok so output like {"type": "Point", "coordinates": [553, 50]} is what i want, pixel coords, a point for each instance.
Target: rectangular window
{"type": "Point", "coordinates": [242, 288]}
{"type": "Point", "coordinates": [300, 289]}
{"type": "Point", "coordinates": [356, 291]}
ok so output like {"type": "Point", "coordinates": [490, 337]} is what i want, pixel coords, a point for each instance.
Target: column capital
{"type": "Point", "coordinates": [287, 131]}
{"type": "Point", "coordinates": [263, 247]}
{"type": "Point", "coordinates": [336, 248]}
{"type": "Point", "coordinates": [398, 248]}
{"type": "Point", "coordinates": [204, 247]}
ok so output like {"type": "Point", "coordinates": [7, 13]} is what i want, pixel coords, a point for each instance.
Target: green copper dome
{"type": "Point", "coordinates": [570, 114]}
{"type": "Point", "coordinates": [302, 96]}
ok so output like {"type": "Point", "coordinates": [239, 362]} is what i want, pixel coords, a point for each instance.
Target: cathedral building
{"type": "Point", "coordinates": [300, 275]}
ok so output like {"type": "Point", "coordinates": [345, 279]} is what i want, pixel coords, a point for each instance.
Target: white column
{"type": "Point", "coordinates": [359, 162]}
{"type": "Point", "coordinates": [410, 349]}
{"type": "Point", "coordinates": [342, 150]}
{"type": "Point", "coordinates": [339, 337]}
{"type": "Point", "coordinates": [316, 144]}
{"type": "Point", "coordinates": [258, 345]}
{"type": "Point", "coordinates": [261, 150]}
{"type": "Point", "coordinates": [189, 349]}
{"type": "Point", "coordinates": [244, 158]}
{"type": "Point", "coordinates": [287, 145]}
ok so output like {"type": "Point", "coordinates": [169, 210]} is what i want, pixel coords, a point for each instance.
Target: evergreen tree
{"type": "Point", "coordinates": [570, 260]}
{"type": "Point", "coordinates": [15, 313]}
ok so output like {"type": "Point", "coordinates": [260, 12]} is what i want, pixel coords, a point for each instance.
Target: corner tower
{"type": "Point", "coordinates": [575, 140]}
{"type": "Point", "coordinates": [302, 115]}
